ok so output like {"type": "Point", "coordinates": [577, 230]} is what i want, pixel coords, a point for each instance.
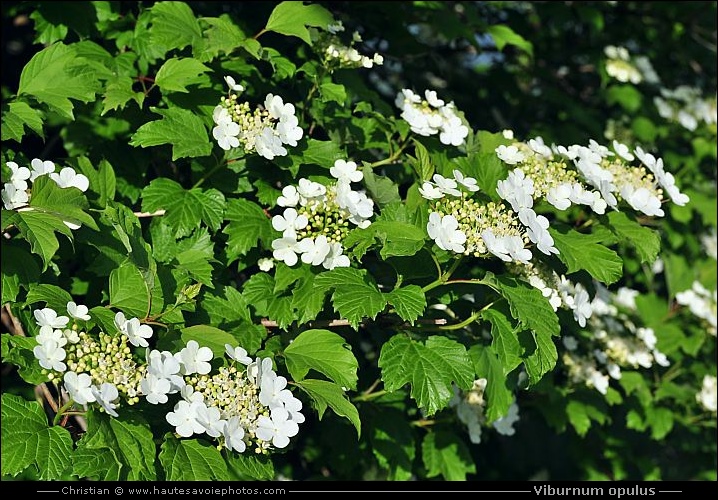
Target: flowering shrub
{"type": "Point", "coordinates": [277, 241]}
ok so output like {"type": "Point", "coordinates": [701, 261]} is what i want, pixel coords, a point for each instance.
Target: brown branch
{"type": "Point", "coordinates": [268, 323]}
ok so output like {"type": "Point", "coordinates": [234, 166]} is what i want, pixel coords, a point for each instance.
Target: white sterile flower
{"type": "Point", "coordinates": [515, 247]}
{"type": "Point", "coordinates": [40, 167]}
{"type": "Point", "coordinates": [642, 200]}
{"type": "Point", "coordinates": [495, 245]}
{"type": "Point", "coordinates": [155, 388]}
{"type": "Point", "coordinates": [360, 206]}
{"type": "Point", "coordinates": [232, 84]}
{"type": "Point", "coordinates": [540, 148]}
{"type": "Point", "coordinates": [708, 395]}
{"type": "Point", "coordinates": [268, 144]}
{"type": "Point", "coordinates": [273, 392]}
{"type": "Point", "coordinates": [626, 297]}
{"type": "Point", "coordinates": [274, 104]}
{"type": "Point", "coordinates": [259, 369]}
{"type": "Point", "coordinates": [47, 316]}
{"type": "Point", "coordinates": [570, 343]}
{"type": "Point", "coordinates": [194, 359]}
{"type": "Point", "coordinates": [346, 171]}
{"type": "Point", "coordinates": [614, 371]}
{"type": "Point", "coordinates": [310, 189]}
{"type": "Point", "coordinates": [19, 176]}
{"type": "Point", "coordinates": [190, 395]}
{"type": "Point", "coordinates": [121, 322]}
{"type": "Point", "coordinates": [622, 151]}
{"type": "Point", "coordinates": [445, 232]}
{"type": "Point", "coordinates": [598, 203]}
{"type": "Point", "coordinates": [238, 354]}
{"type": "Point", "coordinates": [289, 130]}
{"type": "Point", "coordinates": [537, 230]}
{"type": "Point", "coordinates": [184, 418]}
{"type": "Point", "coordinates": [660, 358]}
{"type": "Point", "coordinates": [265, 264]}
{"type": "Point", "coordinates": [648, 336]}
{"type": "Point", "coordinates": [289, 222]}
{"type": "Point", "coordinates": [433, 99]}
{"type": "Point", "coordinates": [226, 134]}
{"type": "Point", "coordinates": [504, 425]}
{"type": "Point", "coordinates": [599, 381]}
{"type": "Point", "coordinates": [105, 395]}
{"type": "Point", "coordinates": [581, 306]}
{"type": "Point", "coordinates": [137, 333]}
{"type": "Point", "coordinates": [646, 158]}
{"type": "Point", "coordinates": [234, 435]}
{"type": "Point", "coordinates": [468, 182]}
{"type": "Point", "coordinates": [510, 154]}
{"type": "Point", "coordinates": [13, 198]}
{"type": "Point", "coordinates": [668, 183]}
{"type": "Point", "coordinates": [165, 365]}
{"type": "Point", "coordinates": [51, 356]}
{"type": "Point", "coordinates": [277, 428]}
{"type": "Point", "coordinates": [289, 197]}
{"type": "Point", "coordinates": [453, 131]}
{"type": "Point", "coordinates": [71, 335]}
{"type": "Point", "coordinates": [78, 311]}
{"type": "Point", "coordinates": [560, 196]}
{"type": "Point", "coordinates": [209, 417]}
{"type": "Point", "coordinates": [294, 407]}
{"type": "Point", "coordinates": [430, 191]}
{"type": "Point", "coordinates": [335, 258]}
{"type": "Point", "coordinates": [599, 149]}
{"type": "Point", "coordinates": [285, 249]}
{"type": "Point", "coordinates": [69, 178]}
{"type": "Point", "coordinates": [446, 185]}
{"type": "Point", "coordinates": [314, 251]}
{"type": "Point", "coordinates": [79, 387]}
{"type": "Point", "coordinates": [517, 189]}
{"type": "Point", "coordinates": [49, 334]}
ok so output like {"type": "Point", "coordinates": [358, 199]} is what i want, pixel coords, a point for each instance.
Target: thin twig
{"type": "Point", "coordinates": [156, 213]}
{"type": "Point", "coordinates": [268, 323]}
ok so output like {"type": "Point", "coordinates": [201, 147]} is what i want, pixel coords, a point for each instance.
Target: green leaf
{"type": "Point", "coordinates": [259, 292]}
{"type": "Point", "coordinates": [18, 351]}
{"type": "Point", "coordinates": [197, 265]}
{"type": "Point", "coordinates": [392, 442]}
{"type": "Point", "coordinates": [528, 305]}
{"type": "Point", "coordinates": [661, 421]}
{"type": "Point", "coordinates": [208, 336]}
{"type": "Point", "coordinates": [251, 467]}
{"type": "Point", "coordinates": [118, 93]}
{"type": "Point", "coordinates": [223, 35]}
{"type": "Point", "coordinates": [18, 116]}
{"type": "Point", "coordinates": [55, 75]}
{"type": "Point", "coordinates": [247, 224]}
{"type": "Point", "coordinates": [292, 18]}
{"type": "Point", "coordinates": [579, 251]}
{"type": "Point", "coordinates": [181, 128]}
{"type": "Point", "coordinates": [422, 164]}
{"type": "Point", "coordinates": [333, 92]}
{"type": "Point", "coordinates": [444, 453]}
{"type": "Point", "coordinates": [174, 25]}
{"type": "Point", "coordinates": [498, 396]}
{"type": "Point", "coordinates": [67, 204]}
{"type": "Point", "coordinates": [135, 442]}
{"type": "Point", "coordinates": [52, 295]}
{"type": "Point", "coordinates": [325, 352]}
{"type": "Point", "coordinates": [381, 189]}
{"type": "Point", "coordinates": [19, 269]}
{"type": "Point", "coordinates": [185, 209]}
{"type": "Point", "coordinates": [176, 73]}
{"type": "Point", "coordinates": [503, 35]}
{"type": "Point", "coordinates": [225, 305]}
{"type": "Point", "coordinates": [578, 417]}
{"type": "Point", "coordinates": [355, 296]}
{"type": "Point", "coordinates": [647, 242]}
{"type": "Point", "coordinates": [102, 180]}
{"type": "Point", "coordinates": [130, 290]}
{"type": "Point", "coordinates": [430, 368]}
{"type": "Point", "coordinates": [98, 464]}
{"type": "Point", "coordinates": [192, 460]}
{"type": "Point", "coordinates": [308, 301]}
{"type": "Point", "coordinates": [27, 440]}
{"type": "Point", "coordinates": [486, 168]}
{"type": "Point", "coordinates": [325, 394]}
{"type": "Point", "coordinates": [626, 95]}
{"type": "Point", "coordinates": [540, 354]}
{"type": "Point", "coordinates": [409, 302]}
{"type": "Point", "coordinates": [505, 342]}
{"type": "Point", "coordinates": [39, 230]}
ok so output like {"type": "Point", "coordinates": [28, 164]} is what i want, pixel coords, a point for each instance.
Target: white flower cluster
{"type": "Point", "coordinates": [469, 406]}
{"type": "Point", "coordinates": [15, 193]}
{"type": "Point", "coordinates": [249, 405]}
{"type": "Point", "coordinates": [702, 303]}
{"type": "Point", "coordinates": [621, 66]}
{"type": "Point", "coordinates": [432, 116]}
{"type": "Point", "coordinates": [245, 404]}
{"type": "Point", "coordinates": [686, 106]}
{"type": "Point", "coordinates": [616, 342]}
{"type": "Point", "coordinates": [264, 130]}
{"type": "Point", "coordinates": [708, 395]}
{"type": "Point", "coordinates": [336, 54]}
{"type": "Point", "coordinates": [545, 172]}
{"type": "Point", "coordinates": [316, 218]}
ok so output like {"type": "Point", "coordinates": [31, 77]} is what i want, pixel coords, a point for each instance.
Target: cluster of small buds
{"type": "Point", "coordinates": [708, 395]}
{"type": "Point", "coordinates": [16, 193]}
{"type": "Point", "coordinates": [245, 405]}
{"type": "Point", "coordinates": [93, 370]}
{"type": "Point", "coordinates": [432, 116]}
{"type": "Point", "coordinates": [686, 106]}
{"type": "Point", "coordinates": [264, 130]}
{"type": "Point", "coordinates": [621, 66]}
{"type": "Point", "coordinates": [336, 54]}
{"type": "Point", "coordinates": [702, 304]}
{"type": "Point", "coordinates": [460, 224]}
{"type": "Point", "coordinates": [317, 218]}
{"type": "Point", "coordinates": [617, 342]}
{"type": "Point", "coordinates": [545, 172]}
{"type": "Point", "coordinates": [469, 406]}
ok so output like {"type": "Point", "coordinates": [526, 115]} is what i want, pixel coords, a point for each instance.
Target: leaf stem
{"type": "Point", "coordinates": [61, 412]}
{"type": "Point", "coordinates": [444, 277]}
{"type": "Point", "coordinates": [370, 396]}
